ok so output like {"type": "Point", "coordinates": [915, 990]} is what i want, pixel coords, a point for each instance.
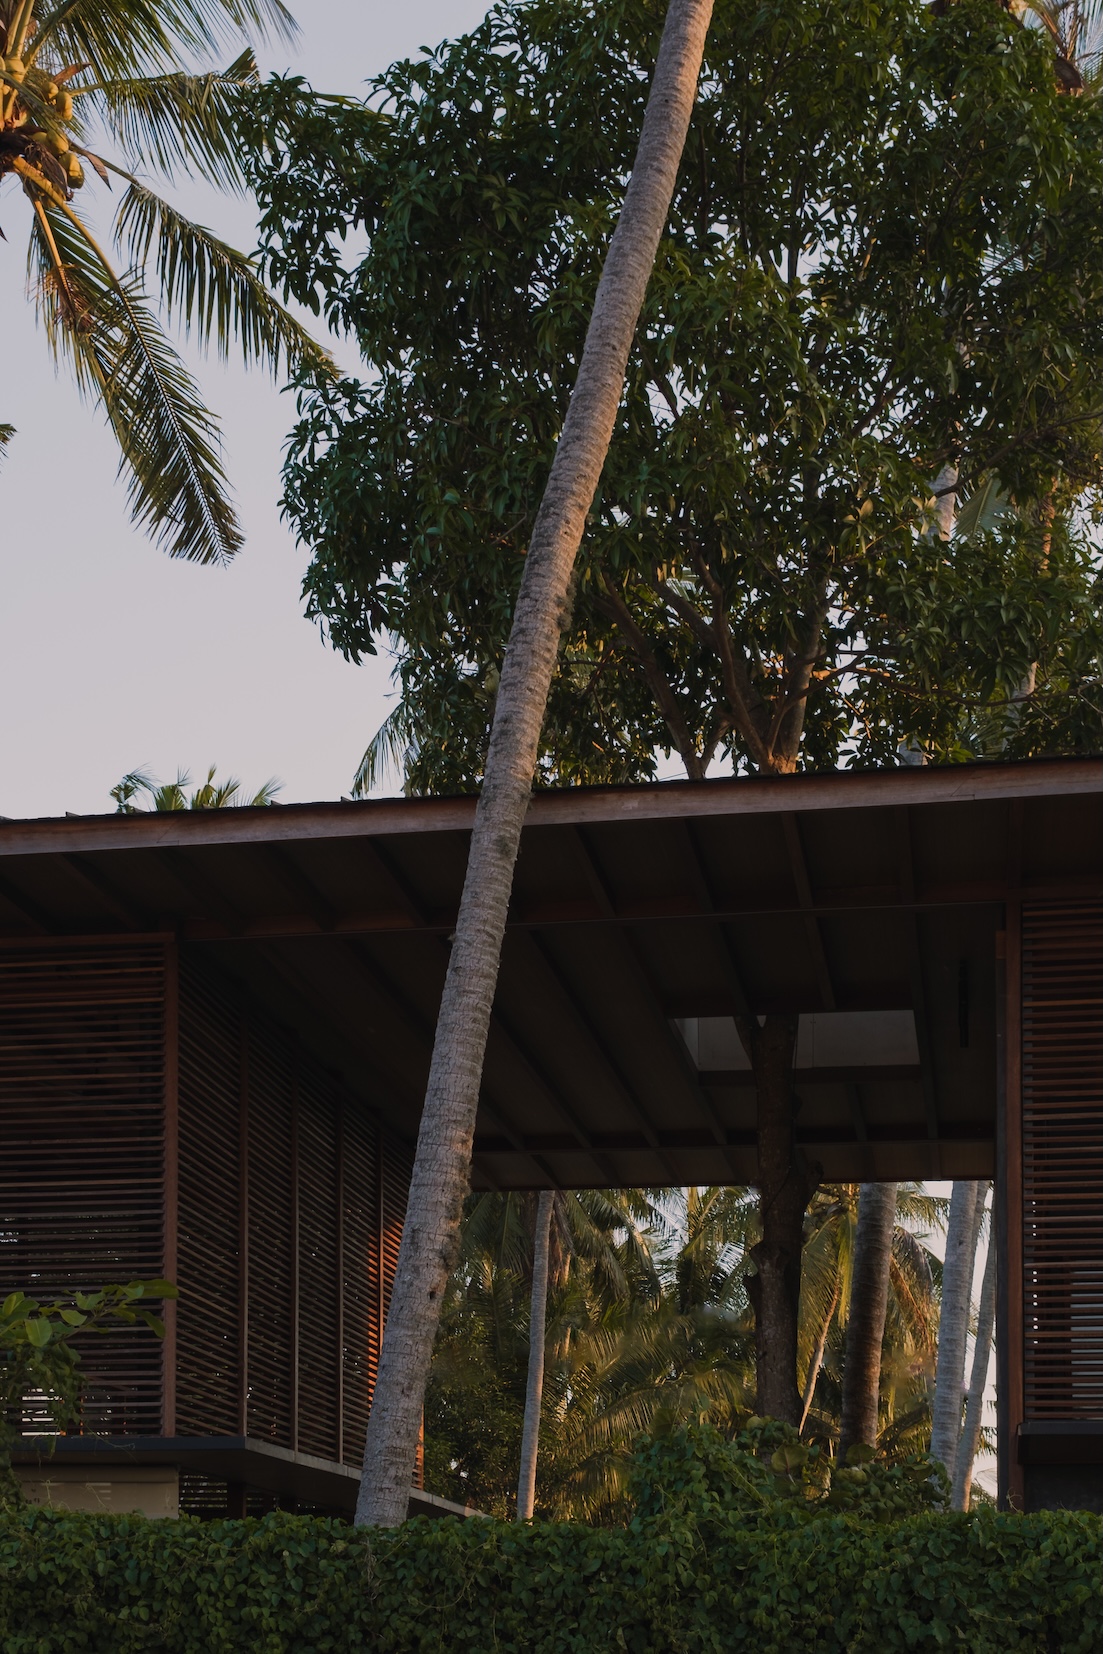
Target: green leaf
{"type": "Point", "coordinates": [213, 288]}
{"type": "Point", "coordinates": [168, 440]}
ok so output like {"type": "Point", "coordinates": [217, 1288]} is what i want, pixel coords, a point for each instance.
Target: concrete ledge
{"type": "Point", "coordinates": [103, 1461]}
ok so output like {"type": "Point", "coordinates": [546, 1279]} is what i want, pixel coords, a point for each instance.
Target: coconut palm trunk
{"type": "Point", "coordinates": [865, 1332]}
{"type": "Point", "coordinates": [443, 1157]}
{"type": "Point", "coordinates": [974, 1399]}
{"type": "Point", "coordinates": [534, 1390]}
{"type": "Point", "coordinates": [962, 1231]}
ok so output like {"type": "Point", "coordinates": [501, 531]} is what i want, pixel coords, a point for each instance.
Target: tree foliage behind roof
{"type": "Point", "coordinates": [884, 265]}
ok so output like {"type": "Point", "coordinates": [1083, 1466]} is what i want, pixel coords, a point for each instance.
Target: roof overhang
{"type": "Point", "coordinates": [857, 899]}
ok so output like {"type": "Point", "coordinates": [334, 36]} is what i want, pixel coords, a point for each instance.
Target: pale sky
{"type": "Point", "coordinates": [112, 655]}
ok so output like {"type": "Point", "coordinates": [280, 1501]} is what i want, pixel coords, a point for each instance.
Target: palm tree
{"type": "Point", "coordinates": [171, 795]}
{"type": "Point", "coordinates": [832, 1302]}
{"type": "Point", "coordinates": [866, 1330]}
{"type": "Point", "coordinates": [443, 1158]}
{"type": "Point", "coordinates": [649, 1323]}
{"type": "Point", "coordinates": [1075, 29]}
{"type": "Point", "coordinates": [962, 1233]}
{"type": "Point", "coordinates": [534, 1390]}
{"type": "Point", "coordinates": [74, 68]}
{"type": "Point", "coordinates": [974, 1396]}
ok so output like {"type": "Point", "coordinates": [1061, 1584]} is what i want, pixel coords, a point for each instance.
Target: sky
{"type": "Point", "coordinates": [113, 656]}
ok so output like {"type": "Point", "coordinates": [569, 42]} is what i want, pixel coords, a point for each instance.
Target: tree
{"type": "Point", "coordinates": [69, 70]}
{"type": "Point", "coordinates": [534, 1389]}
{"type": "Point", "coordinates": [962, 1233]}
{"type": "Point", "coordinates": [172, 795]}
{"type": "Point", "coordinates": [864, 280]}
{"type": "Point", "coordinates": [974, 1396]}
{"type": "Point", "coordinates": [832, 1302]}
{"type": "Point", "coordinates": [601, 1270]}
{"type": "Point", "coordinates": [443, 1156]}
{"type": "Point", "coordinates": [650, 1328]}
{"type": "Point", "coordinates": [869, 1305]}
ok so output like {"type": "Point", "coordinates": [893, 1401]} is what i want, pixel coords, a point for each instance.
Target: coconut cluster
{"type": "Point", "coordinates": [56, 97]}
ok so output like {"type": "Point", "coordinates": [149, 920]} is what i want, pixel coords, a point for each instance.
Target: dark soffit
{"type": "Point", "coordinates": [632, 907]}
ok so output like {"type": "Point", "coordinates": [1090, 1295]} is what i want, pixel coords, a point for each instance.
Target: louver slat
{"type": "Point", "coordinates": [1062, 1161]}
{"type": "Point", "coordinates": [82, 1169]}
{"type": "Point", "coordinates": [209, 1308]}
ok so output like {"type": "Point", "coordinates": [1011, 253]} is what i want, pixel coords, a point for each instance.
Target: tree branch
{"type": "Point", "coordinates": [613, 605]}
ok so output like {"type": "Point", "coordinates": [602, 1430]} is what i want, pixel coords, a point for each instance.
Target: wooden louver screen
{"type": "Point", "coordinates": [289, 1195]}
{"type": "Point", "coordinates": [1062, 1159]}
{"type": "Point", "coordinates": [82, 1166]}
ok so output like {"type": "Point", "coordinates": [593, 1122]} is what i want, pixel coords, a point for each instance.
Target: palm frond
{"type": "Point", "coordinates": [172, 795]}
{"type": "Point", "coordinates": [6, 434]}
{"type": "Point", "coordinates": [168, 441]}
{"type": "Point", "coordinates": [180, 121]}
{"type": "Point", "coordinates": [393, 745]}
{"type": "Point", "coordinates": [119, 38]}
{"type": "Point", "coordinates": [213, 288]}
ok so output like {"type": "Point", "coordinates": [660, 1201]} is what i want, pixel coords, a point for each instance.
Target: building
{"type": "Point", "coordinates": [215, 1031]}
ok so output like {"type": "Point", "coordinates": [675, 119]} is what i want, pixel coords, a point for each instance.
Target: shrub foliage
{"type": "Point", "coordinates": [694, 1575]}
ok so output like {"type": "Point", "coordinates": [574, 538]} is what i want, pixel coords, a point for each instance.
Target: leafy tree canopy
{"type": "Point", "coordinates": [884, 266]}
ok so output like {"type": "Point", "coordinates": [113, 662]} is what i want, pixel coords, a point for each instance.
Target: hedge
{"type": "Point", "coordinates": [297, 1585]}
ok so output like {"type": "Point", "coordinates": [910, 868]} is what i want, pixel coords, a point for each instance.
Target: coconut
{"type": "Point", "coordinates": [57, 143]}
{"type": "Point", "coordinates": [74, 171]}
{"type": "Point", "coordinates": [15, 69]}
{"type": "Point", "coordinates": [63, 103]}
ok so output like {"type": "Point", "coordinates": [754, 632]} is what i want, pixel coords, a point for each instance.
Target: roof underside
{"type": "Point", "coordinates": [642, 920]}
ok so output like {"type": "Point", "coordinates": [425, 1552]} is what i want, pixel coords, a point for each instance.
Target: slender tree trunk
{"type": "Point", "coordinates": [443, 1158]}
{"type": "Point", "coordinates": [817, 1357]}
{"type": "Point", "coordinates": [534, 1390]}
{"type": "Point", "coordinates": [953, 1321]}
{"type": "Point", "coordinates": [865, 1332]}
{"type": "Point", "coordinates": [974, 1399]}
{"type": "Point", "coordinates": [785, 1186]}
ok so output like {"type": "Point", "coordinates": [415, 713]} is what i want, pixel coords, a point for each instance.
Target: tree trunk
{"type": "Point", "coordinates": [817, 1357]}
{"type": "Point", "coordinates": [443, 1157]}
{"type": "Point", "coordinates": [953, 1321]}
{"type": "Point", "coordinates": [865, 1332]}
{"type": "Point", "coordinates": [534, 1391]}
{"type": "Point", "coordinates": [974, 1400]}
{"type": "Point", "coordinates": [785, 1185]}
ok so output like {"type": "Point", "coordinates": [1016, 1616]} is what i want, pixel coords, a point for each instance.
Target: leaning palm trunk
{"type": "Point", "coordinates": [966, 1204]}
{"type": "Point", "coordinates": [869, 1297]}
{"type": "Point", "coordinates": [974, 1400]}
{"type": "Point", "coordinates": [816, 1362]}
{"type": "Point", "coordinates": [443, 1157]}
{"type": "Point", "coordinates": [534, 1390]}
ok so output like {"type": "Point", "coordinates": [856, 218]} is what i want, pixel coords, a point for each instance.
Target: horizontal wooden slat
{"type": "Point", "coordinates": [1062, 1150]}
{"type": "Point", "coordinates": [82, 1167]}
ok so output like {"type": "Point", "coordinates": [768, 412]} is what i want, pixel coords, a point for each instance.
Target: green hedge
{"type": "Point", "coordinates": [296, 1585]}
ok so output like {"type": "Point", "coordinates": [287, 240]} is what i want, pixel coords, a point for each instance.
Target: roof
{"type": "Point", "coordinates": [642, 918]}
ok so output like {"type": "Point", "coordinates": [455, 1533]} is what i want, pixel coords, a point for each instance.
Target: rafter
{"type": "Point", "coordinates": [799, 869]}
{"type": "Point", "coordinates": [644, 986]}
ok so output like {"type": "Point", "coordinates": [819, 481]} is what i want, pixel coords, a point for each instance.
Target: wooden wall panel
{"type": "Point", "coordinates": [208, 1331]}
{"type": "Point", "coordinates": [82, 1167]}
{"type": "Point", "coordinates": [270, 1113]}
{"type": "Point", "coordinates": [319, 1255]}
{"type": "Point", "coordinates": [1062, 1161]}
{"type": "Point", "coordinates": [360, 1321]}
